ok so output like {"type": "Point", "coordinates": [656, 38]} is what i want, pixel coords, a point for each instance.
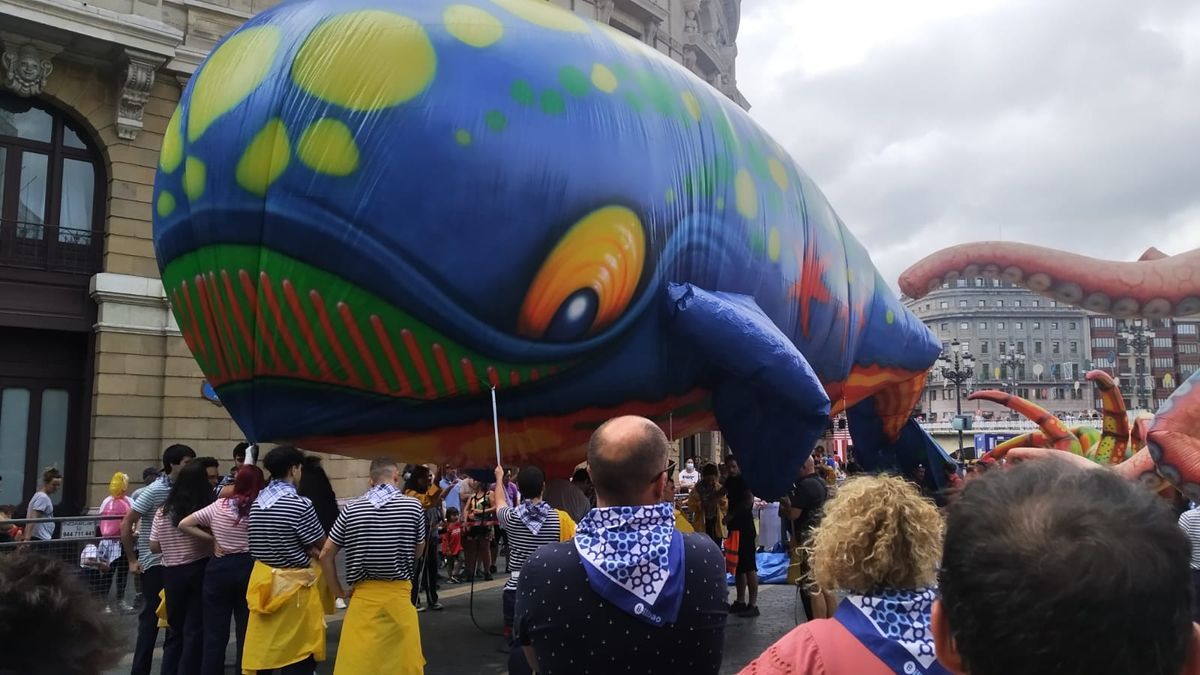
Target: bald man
{"type": "Point", "coordinates": [628, 578]}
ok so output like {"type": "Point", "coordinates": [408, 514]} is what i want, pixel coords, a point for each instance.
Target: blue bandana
{"type": "Point", "coordinates": [894, 626]}
{"type": "Point", "coordinates": [634, 559]}
{"type": "Point", "coordinates": [533, 515]}
{"type": "Point", "coordinates": [382, 494]}
{"type": "Point", "coordinates": [271, 494]}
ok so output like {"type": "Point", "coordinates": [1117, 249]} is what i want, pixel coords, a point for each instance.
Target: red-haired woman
{"type": "Point", "coordinates": [224, 524]}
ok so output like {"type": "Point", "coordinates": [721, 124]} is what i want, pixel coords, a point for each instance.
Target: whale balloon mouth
{"type": "Point", "coordinates": [249, 312]}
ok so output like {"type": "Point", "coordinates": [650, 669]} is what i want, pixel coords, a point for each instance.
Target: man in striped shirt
{"type": "Point", "coordinates": [529, 526]}
{"type": "Point", "coordinates": [147, 564]}
{"type": "Point", "coordinates": [1190, 522]}
{"type": "Point", "coordinates": [383, 533]}
{"type": "Point", "coordinates": [286, 629]}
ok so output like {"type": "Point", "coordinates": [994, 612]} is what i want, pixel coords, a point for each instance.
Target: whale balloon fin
{"type": "Point", "coordinates": [913, 446]}
{"type": "Point", "coordinates": [767, 399]}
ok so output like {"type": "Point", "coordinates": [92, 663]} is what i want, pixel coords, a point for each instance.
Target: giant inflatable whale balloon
{"type": "Point", "coordinates": [369, 214]}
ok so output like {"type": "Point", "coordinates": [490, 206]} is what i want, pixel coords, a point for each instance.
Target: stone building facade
{"type": "Point", "coordinates": [1022, 343]}
{"type": "Point", "coordinates": [94, 376]}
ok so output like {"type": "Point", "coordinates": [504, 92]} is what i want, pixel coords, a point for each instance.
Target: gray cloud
{"type": "Point", "coordinates": [1070, 123]}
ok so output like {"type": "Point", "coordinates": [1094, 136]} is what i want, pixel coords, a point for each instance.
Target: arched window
{"type": "Point", "coordinates": [51, 190]}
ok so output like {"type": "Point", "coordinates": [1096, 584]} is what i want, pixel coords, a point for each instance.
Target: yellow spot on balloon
{"type": "Point", "coordinates": [778, 173]}
{"type": "Point", "coordinates": [692, 105]}
{"type": "Point", "coordinates": [472, 25]}
{"type": "Point", "coordinates": [194, 173]}
{"type": "Point", "coordinates": [670, 195]}
{"type": "Point", "coordinates": [172, 145]}
{"type": "Point", "coordinates": [366, 60]}
{"type": "Point", "coordinates": [235, 70]}
{"type": "Point", "coordinates": [720, 203]}
{"type": "Point", "coordinates": [166, 203]}
{"type": "Point", "coordinates": [890, 317]}
{"type": "Point", "coordinates": [462, 137]}
{"type": "Point", "coordinates": [544, 14]}
{"type": "Point", "coordinates": [849, 275]}
{"type": "Point", "coordinates": [604, 79]}
{"type": "Point", "coordinates": [773, 246]}
{"type": "Point", "coordinates": [747, 194]}
{"type": "Point", "coordinates": [265, 158]}
{"type": "Point", "coordinates": [328, 147]}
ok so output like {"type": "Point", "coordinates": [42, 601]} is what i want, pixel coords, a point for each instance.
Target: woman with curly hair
{"type": "Point", "coordinates": [880, 541]}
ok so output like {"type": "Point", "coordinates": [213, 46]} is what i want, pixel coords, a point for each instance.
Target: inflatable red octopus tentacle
{"type": "Point", "coordinates": [1157, 286]}
{"type": "Point", "coordinates": [1173, 438]}
{"type": "Point", "coordinates": [1114, 433]}
{"type": "Point", "coordinates": [1034, 439]}
{"type": "Point", "coordinates": [1057, 434]}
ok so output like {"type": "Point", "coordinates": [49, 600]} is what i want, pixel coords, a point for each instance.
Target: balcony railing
{"type": "Point", "coordinates": [38, 246]}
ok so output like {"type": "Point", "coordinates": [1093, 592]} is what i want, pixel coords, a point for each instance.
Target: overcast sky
{"type": "Point", "coordinates": [1073, 123]}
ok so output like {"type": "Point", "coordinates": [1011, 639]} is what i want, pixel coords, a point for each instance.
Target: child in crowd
{"type": "Point", "coordinates": [452, 548]}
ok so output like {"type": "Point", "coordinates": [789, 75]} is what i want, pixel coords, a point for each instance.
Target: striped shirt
{"type": "Point", "coordinates": [522, 543]}
{"type": "Point", "coordinates": [147, 502]}
{"type": "Point", "coordinates": [178, 547]}
{"type": "Point", "coordinates": [1190, 522]}
{"type": "Point", "coordinates": [379, 542]}
{"type": "Point", "coordinates": [221, 518]}
{"type": "Point", "coordinates": [280, 535]}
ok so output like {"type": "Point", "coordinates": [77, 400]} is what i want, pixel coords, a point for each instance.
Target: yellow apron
{"type": "Point", "coordinates": [682, 524]}
{"type": "Point", "coordinates": [287, 617]}
{"type": "Point", "coordinates": [380, 634]}
{"type": "Point", "coordinates": [566, 526]}
{"type": "Point", "coordinates": [161, 611]}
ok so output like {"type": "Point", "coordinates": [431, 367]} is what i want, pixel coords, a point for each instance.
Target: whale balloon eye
{"type": "Point", "coordinates": [588, 280]}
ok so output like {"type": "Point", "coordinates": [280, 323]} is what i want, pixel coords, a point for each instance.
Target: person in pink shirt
{"type": "Point", "coordinates": [880, 541]}
{"type": "Point", "coordinates": [112, 512]}
{"type": "Point", "coordinates": [223, 525]}
{"type": "Point", "coordinates": [184, 558]}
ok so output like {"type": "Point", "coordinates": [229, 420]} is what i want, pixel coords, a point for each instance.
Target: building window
{"type": "Point", "coordinates": [1016, 303]}
{"type": "Point", "coordinates": [1037, 325]}
{"type": "Point", "coordinates": [1003, 347]}
{"type": "Point", "coordinates": [982, 303]}
{"type": "Point", "coordinates": [960, 283]}
{"type": "Point", "coordinates": [1102, 343]}
{"type": "Point", "coordinates": [1053, 303]}
{"type": "Point", "coordinates": [1053, 325]}
{"type": "Point", "coordinates": [982, 325]}
{"type": "Point", "coordinates": [1073, 326]}
{"type": "Point", "coordinates": [999, 325]}
{"type": "Point", "coordinates": [983, 347]}
{"type": "Point", "coordinates": [1160, 362]}
{"type": "Point", "coordinates": [963, 325]}
{"type": "Point", "coordinates": [987, 371]}
{"type": "Point", "coordinates": [978, 282]}
{"type": "Point", "coordinates": [1055, 347]}
{"type": "Point", "coordinates": [1037, 303]}
{"type": "Point", "coordinates": [1186, 369]}
{"type": "Point", "coordinates": [927, 306]}
{"type": "Point", "coordinates": [1104, 322]}
{"type": "Point", "coordinates": [1187, 348]}
{"type": "Point", "coordinates": [999, 303]}
{"type": "Point", "coordinates": [962, 303]}
{"type": "Point", "coordinates": [944, 304]}
{"type": "Point", "coordinates": [1185, 329]}
{"type": "Point", "coordinates": [945, 326]}
{"type": "Point", "coordinates": [1019, 325]}
{"type": "Point", "coordinates": [1074, 347]}
{"type": "Point", "coordinates": [1162, 342]}
{"type": "Point", "coordinates": [51, 190]}
{"type": "Point", "coordinates": [1037, 346]}
{"type": "Point", "coordinates": [1021, 347]}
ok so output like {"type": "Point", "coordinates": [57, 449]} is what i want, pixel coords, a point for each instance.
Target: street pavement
{"type": "Point", "coordinates": [456, 644]}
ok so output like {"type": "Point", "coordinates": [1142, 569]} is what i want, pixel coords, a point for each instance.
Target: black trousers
{"type": "Point", "coordinates": [426, 577]}
{"type": "Point", "coordinates": [185, 614]}
{"type": "Point", "coordinates": [517, 663]}
{"type": "Point", "coordinates": [147, 635]}
{"type": "Point", "coordinates": [119, 570]}
{"type": "Point", "coordinates": [224, 596]}
{"type": "Point", "coordinates": [1196, 595]}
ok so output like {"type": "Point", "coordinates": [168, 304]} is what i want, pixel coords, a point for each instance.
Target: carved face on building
{"type": "Point", "coordinates": [26, 71]}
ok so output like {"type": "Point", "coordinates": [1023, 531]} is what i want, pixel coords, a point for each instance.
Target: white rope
{"type": "Point", "coordinates": [496, 425]}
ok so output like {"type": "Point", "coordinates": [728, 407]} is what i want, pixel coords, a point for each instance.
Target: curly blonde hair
{"type": "Point", "coordinates": [878, 532]}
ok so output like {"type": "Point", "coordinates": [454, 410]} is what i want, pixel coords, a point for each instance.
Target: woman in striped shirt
{"type": "Point", "coordinates": [223, 524]}
{"type": "Point", "coordinates": [184, 559]}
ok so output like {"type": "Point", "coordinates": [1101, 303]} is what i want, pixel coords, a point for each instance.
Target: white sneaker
{"type": "Point", "coordinates": [339, 603]}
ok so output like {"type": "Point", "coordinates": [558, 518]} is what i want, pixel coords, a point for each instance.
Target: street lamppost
{"type": "Point", "coordinates": [958, 367]}
{"type": "Point", "coordinates": [1139, 337]}
{"type": "Point", "coordinates": [1011, 360]}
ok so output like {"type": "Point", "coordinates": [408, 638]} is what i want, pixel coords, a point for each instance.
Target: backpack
{"type": "Point", "coordinates": [110, 528]}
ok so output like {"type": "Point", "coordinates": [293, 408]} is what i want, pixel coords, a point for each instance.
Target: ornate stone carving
{"type": "Point", "coordinates": [136, 78]}
{"type": "Point", "coordinates": [690, 58]}
{"type": "Point", "coordinates": [26, 70]}
{"type": "Point", "coordinates": [604, 10]}
{"type": "Point", "coordinates": [652, 27]}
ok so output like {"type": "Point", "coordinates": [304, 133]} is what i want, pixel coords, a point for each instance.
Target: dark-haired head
{"type": "Point", "coordinates": [284, 463]}
{"type": "Point", "coordinates": [419, 479]}
{"type": "Point", "coordinates": [37, 593]}
{"type": "Point", "coordinates": [176, 456]}
{"type": "Point", "coordinates": [580, 477]}
{"type": "Point", "coordinates": [314, 484]}
{"type": "Point", "coordinates": [190, 492]}
{"type": "Point", "coordinates": [239, 452]}
{"type": "Point", "coordinates": [627, 460]}
{"type": "Point", "coordinates": [710, 470]}
{"type": "Point", "coordinates": [247, 483]}
{"type": "Point", "coordinates": [1043, 557]}
{"type": "Point", "coordinates": [530, 482]}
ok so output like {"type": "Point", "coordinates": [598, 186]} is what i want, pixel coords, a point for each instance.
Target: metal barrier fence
{"type": "Point", "coordinates": [100, 562]}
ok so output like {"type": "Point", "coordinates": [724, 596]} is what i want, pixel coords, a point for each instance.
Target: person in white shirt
{"type": "Point", "coordinates": [689, 476]}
